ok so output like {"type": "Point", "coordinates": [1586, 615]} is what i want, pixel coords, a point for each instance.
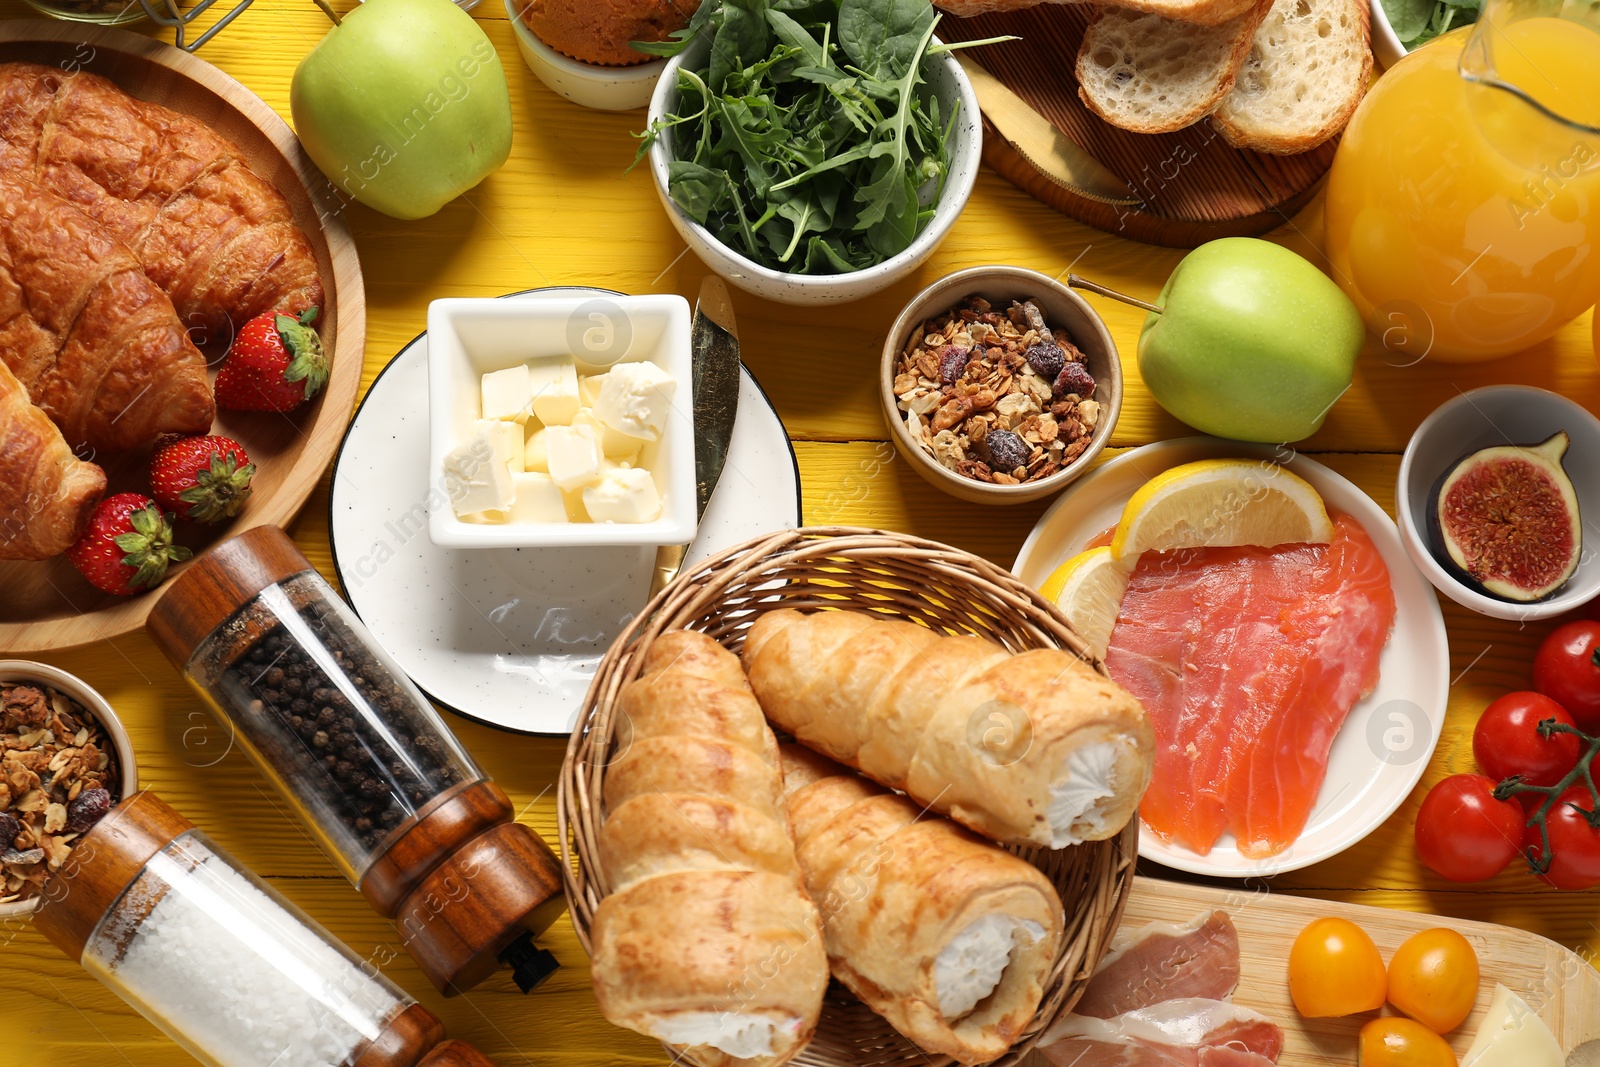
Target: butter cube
{"type": "Point", "coordinates": [589, 388]}
{"type": "Point", "coordinates": [573, 455]}
{"type": "Point", "coordinates": [613, 443]}
{"type": "Point", "coordinates": [555, 389]}
{"type": "Point", "coordinates": [626, 494]}
{"type": "Point", "coordinates": [507, 393]}
{"type": "Point", "coordinates": [533, 452]}
{"type": "Point", "coordinates": [635, 398]}
{"type": "Point", "coordinates": [506, 440]}
{"type": "Point", "coordinates": [538, 499]}
{"type": "Point", "coordinates": [474, 479]}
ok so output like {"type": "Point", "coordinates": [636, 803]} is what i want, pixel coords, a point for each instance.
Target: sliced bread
{"type": "Point", "coordinates": [1307, 70]}
{"type": "Point", "coordinates": [1202, 12]}
{"type": "Point", "coordinates": [1150, 74]}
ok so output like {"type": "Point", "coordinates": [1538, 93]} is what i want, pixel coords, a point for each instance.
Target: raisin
{"type": "Point", "coordinates": [10, 827]}
{"type": "Point", "coordinates": [1007, 451]}
{"type": "Point", "coordinates": [952, 363]}
{"type": "Point", "coordinates": [1047, 359]}
{"type": "Point", "coordinates": [1074, 379]}
{"type": "Point", "coordinates": [86, 809]}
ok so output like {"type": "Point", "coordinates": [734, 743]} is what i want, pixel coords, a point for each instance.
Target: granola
{"type": "Point", "coordinates": [57, 778]}
{"type": "Point", "coordinates": [996, 396]}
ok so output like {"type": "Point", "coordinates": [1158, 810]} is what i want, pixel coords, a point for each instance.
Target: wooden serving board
{"type": "Point", "coordinates": [1193, 186]}
{"type": "Point", "coordinates": [48, 605]}
{"type": "Point", "coordinates": [1561, 986]}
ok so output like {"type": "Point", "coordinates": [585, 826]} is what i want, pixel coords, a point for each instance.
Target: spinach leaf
{"type": "Point", "coordinates": [884, 38]}
{"type": "Point", "coordinates": [1408, 18]}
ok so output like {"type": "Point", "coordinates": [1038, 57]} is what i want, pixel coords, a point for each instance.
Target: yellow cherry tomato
{"type": "Point", "coordinates": [1335, 969]}
{"type": "Point", "coordinates": [1402, 1043]}
{"type": "Point", "coordinates": [1433, 978]}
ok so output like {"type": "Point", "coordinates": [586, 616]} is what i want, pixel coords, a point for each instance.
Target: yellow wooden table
{"type": "Point", "coordinates": [562, 211]}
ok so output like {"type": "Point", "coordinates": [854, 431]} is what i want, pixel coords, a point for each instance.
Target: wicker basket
{"type": "Point", "coordinates": [896, 576]}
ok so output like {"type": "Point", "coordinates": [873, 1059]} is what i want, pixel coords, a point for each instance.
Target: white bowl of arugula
{"type": "Point", "coordinates": [828, 169]}
{"type": "Point", "coordinates": [1400, 26]}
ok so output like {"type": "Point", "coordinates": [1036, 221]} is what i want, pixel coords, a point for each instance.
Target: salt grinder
{"type": "Point", "coordinates": [221, 963]}
{"type": "Point", "coordinates": [365, 760]}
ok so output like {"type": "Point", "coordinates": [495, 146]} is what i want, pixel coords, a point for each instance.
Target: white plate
{"type": "Point", "coordinates": [1381, 752]}
{"type": "Point", "coordinates": [511, 637]}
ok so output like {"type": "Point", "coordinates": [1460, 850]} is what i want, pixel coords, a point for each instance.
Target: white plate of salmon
{"type": "Point", "coordinates": [1297, 696]}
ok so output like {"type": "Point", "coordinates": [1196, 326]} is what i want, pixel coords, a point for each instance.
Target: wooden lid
{"type": "Point", "coordinates": [209, 590]}
{"type": "Point", "coordinates": [456, 1054]}
{"type": "Point", "coordinates": [446, 821]}
{"type": "Point", "coordinates": [403, 1040]}
{"type": "Point", "coordinates": [103, 863]}
{"type": "Point", "coordinates": [476, 902]}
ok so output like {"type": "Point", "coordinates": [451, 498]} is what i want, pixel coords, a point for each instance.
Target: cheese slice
{"type": "Point", "coordinates": [1512, 1035]}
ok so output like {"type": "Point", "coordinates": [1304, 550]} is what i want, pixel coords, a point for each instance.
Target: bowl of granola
{"type": "Point", "coordinates": [65, 761]}
{"type": "Point", "coordinates": [1000, 385]}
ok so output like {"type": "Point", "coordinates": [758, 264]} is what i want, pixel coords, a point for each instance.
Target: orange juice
{"type": "Point", "coordinates": [1463, 215]}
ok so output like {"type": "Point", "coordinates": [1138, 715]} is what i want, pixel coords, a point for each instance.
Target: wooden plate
{"type": "Point", "coordinates": [1557, 983]}
{"type": "Point", "coordinates": [1194, 187]}
{"type": "Point", "coordinates": [48, 605]}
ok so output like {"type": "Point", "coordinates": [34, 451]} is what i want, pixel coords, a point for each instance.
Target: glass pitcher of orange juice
{"type": "Point", "coordinates": [1464, 203]}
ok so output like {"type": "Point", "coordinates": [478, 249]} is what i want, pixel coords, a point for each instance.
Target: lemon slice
{"type": "Point", "coordinates": [1218, 502]}
{"type": "Point", "coordinates": [1088, 589]}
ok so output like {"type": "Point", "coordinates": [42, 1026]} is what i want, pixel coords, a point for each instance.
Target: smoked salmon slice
{"type": "Point", "coordinates": [1247, 661]}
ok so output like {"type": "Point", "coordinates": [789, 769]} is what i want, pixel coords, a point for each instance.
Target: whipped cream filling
{"type": "Point", "coordinates": [741, 1036]}
{"type": "Point", "coordinates": [972, 964]}
{"type": "Point", "coordinates": [1088, 775]}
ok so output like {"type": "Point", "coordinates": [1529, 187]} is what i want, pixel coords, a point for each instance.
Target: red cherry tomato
{"type": "Point", "coordinates": [1464, 833]}
{"type": "Point", "coordinates": [1574, 842]}
{"type": "Point", "coordinates": [1506, 740]}
{"type": "Point", "coordinates": [1566, 669]}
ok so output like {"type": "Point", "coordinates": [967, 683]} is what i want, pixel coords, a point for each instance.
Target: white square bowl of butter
{"type": "Point", "coordinates": [560, 422]}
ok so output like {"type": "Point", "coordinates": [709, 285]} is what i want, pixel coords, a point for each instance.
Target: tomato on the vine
{"type": "Point", "coordinates": [1464, 833]}
{"type": "Point", "coordinates": [1506, 740]}
{"type": "Point", "coordinates": [1567, 670]}
{"type": "Point", "coordinates": [1574, 842]}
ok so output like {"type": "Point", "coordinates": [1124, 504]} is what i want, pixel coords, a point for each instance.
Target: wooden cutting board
{"type": "Point", "coordinates": [1560, 985]}
{"type": "Point", "coordinates": [1193, 186]}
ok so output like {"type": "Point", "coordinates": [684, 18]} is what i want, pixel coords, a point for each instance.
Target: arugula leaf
{"type": "Point", "coordinates": [741, 37]}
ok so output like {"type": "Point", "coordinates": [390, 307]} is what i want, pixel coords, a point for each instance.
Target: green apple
{"type": "Point", "coordinates": [403, 105]}
{"type": "Point", "coordinates": [1252, 342]}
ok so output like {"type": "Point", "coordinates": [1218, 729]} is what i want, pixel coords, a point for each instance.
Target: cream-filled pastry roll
{"type": "Point", "coordinates": [707, 941]}
{"type": "Point", "coordinates": [947, 936]}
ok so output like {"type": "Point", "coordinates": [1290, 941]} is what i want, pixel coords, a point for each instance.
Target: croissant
{"type": "Point", "coordinates": [948, 937]}
{"type": "Point", "coordinates": [214, 235]}
{"type": "Point", "coordinates": [1034, 748]}
{"type": "Point", "coordinates": [90, 337]}
{"type": "Point", "coordinates": [46, 493]}
{"type": "Point", "coordinates": [707, 941]}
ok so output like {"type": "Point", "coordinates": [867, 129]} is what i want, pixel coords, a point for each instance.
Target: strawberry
{"type": "Point", "coordinates": [203, 479]}
{"type": "Point", "coordinates": [128, 545]}
{"type": "Point", "coordinates": [276, 364]}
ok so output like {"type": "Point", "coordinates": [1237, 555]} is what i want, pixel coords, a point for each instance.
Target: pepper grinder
{"type": "Point", "coordinates": [364, 759]}
{"type": "Point", "coordinates": [221, 963]}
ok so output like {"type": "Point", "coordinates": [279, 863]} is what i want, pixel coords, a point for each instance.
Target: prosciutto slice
{"type": "Point", "coordinates": [1164, 961]}
{"type": "Point", "coordinates": [1187, 1032]}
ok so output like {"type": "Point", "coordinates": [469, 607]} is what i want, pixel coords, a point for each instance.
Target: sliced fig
{"type": "Point", "coordinates": [1506, 518]}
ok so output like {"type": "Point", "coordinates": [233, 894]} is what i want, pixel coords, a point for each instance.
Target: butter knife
{"type": "Point", "coordinates": [714, 342]}
{"type": "Point", "coordinates": [1050, 152]}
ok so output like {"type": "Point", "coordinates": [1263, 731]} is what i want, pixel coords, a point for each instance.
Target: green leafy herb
{"type": "Point", "coordinates": [1416, 22]}
{"type": "Point", "coordinates": [806, 139]}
